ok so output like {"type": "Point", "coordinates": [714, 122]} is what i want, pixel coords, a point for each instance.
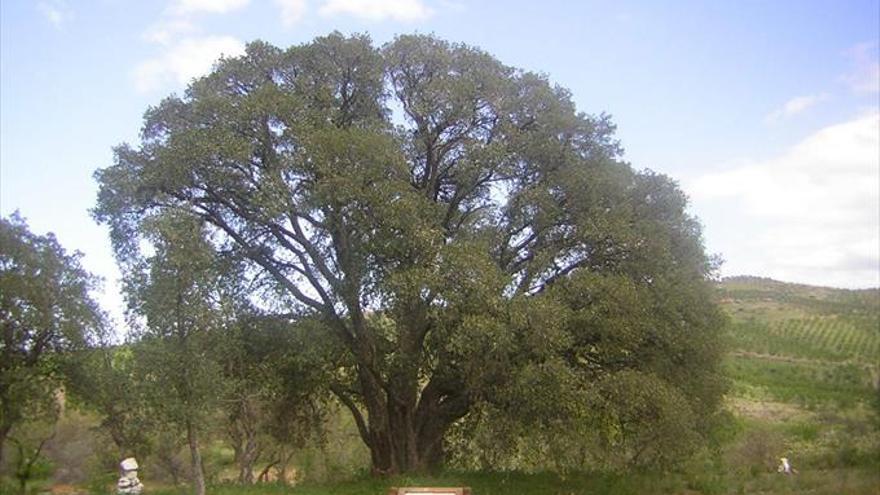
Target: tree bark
{"type": "Point", "coordinates": [198, 472]}
{"type": "Point", "coordinates": [249, 455]}
{"type": "Point", "coordinates": [4, 432]}
{"type": "Point", "coordinates": [6, 411]}
{"type": "Point", "coordinates": [242, 431]}
{"type": "Point", "coordinates": [405, 420]}
{"type": "Point", "coordinates": [405, 425]}
{"type": "Point", "coordinates": [402, 448]}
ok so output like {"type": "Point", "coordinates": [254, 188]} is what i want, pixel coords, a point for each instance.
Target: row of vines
{"type": "Point", "coordinates": [831, 339]}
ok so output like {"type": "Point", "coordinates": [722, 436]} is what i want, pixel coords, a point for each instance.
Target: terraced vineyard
{"type": "Point", "coordinates": [833, 336]}
{"type": "Point", "coordinates": [800, 321]}
{"type": "Point", "coordinates": [817, 337]}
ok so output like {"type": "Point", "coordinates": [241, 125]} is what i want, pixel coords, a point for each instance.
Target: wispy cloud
{"type": "Point", "coordinates": [795, 106]}
{"type": "Point", "coordinates": [56, 12]}
{"type": "Point", "coordinates": [183, 7]}
{"type": "Point", "coordinates": [378, 10]}
{"type": "Point", "coordinates": [292, 11]}
{"type": "Point", "coordinates": [167, 30]}
{"type": "Point", "coordinates": [865, 74]}
{"type": "Point", "coordinates": [809, 215]}
{"type": "Point", "coordinates": [185, 53]}
{"type": "Point", "coordinates": [184, 60]}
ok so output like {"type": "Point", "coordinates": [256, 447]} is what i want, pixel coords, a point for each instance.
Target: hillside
{"type": "Point", "coordinates": [812, 343]}
{"type": "Point", "coordinates": [803, 321]}
{"type": "Point", "coordinates": [803, 363]}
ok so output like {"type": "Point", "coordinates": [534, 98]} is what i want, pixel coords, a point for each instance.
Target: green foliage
{"type": "Point", "coordinates": [812, 411]}
{"type": "Point", "coordinates": [486, 244]}
{"type": "Point", "coordinates": [825, 338]}
{"type": "Point", "coordinates": [105, 379]}
{"type": "Point", "coordinates": [45, 312]}
{"type": "Point", "coordinates": [275, 397]}
{"type": "Point", "coordinates": [644, 421]}
{"type": "Point", "coordinates": [205, 363]}
{"type": "Point", "coordinates": [600, 386]}
{"type": "Point", "coordinates": [177, 290]}
{"type": "Point", "coordinates": [480, 482]}
{"type": "Point", "coordinates": [29, 440]}
{"type": "Point", "coordinates": [809, 345]}
{"type": "Point", "coordinates": [803, 431]}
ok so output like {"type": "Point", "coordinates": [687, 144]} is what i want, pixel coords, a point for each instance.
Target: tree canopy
{"type": "Point", "coordinates": [464, 237]}
{"type": "Point", "coordinates": [45, 310]}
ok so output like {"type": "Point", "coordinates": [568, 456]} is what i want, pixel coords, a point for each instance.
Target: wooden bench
{"type": "Point", "coordinates": [429, 490]}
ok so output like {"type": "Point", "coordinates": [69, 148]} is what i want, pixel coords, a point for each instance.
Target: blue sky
{"type": "Point", "coordinates": [766, 112]}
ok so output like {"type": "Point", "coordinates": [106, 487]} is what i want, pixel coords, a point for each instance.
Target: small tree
{"type": "Point", "coordinates": [175, 290]}
{"type": "Point", "coordinates": [45, 311]}
{"type": "Point", "coordinates": [276, 386]}
{"type": "Point", "coordinates": [29, 441]}
{"type": "Point", "coordinates": [103, 379]}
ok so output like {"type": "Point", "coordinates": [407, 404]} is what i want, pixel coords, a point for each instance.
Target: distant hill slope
{"type": "Point", "coordinates": [802, 321]}
{"type": "Point", "coordinates": [800, 344]}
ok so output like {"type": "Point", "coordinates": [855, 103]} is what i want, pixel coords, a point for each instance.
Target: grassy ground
{"type": "Point", "coordinates": [852, 481]}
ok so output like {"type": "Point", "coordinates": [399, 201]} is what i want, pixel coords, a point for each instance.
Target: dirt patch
{"type": "Point", "coordinates": [766, 410]}
{"type": "Point", "coordinates": [67, 490]}
{"type": "Point", "coordinates": [801, 360]}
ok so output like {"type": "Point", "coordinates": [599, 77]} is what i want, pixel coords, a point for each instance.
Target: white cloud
{"type": "Point", "coordinates": [166, 31]}
{"type": "Point", "coordinates": [56, 12]}
{"type": "Point", "coordinates": [183, 7]}
{"type": "Point", "coordinates": [795, 106]}
{"type": "Point", "coordinates": [378, 10]}
{"type": "Point", "coordinates": [184, 60]}
{"type": "Point", "coordinates": [292, 11]}
{"type": "Point", "coordinates": [810, 215]}
{"type": "Point", "coordinates": [865, 75]}
{"type": "Point", "coordinates": [186, 53]}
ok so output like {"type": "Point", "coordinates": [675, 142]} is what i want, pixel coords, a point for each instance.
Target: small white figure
{"type": "Point", "coordinates": [785, 466]}
{"type": "Point", "coordinates": [128, 483]}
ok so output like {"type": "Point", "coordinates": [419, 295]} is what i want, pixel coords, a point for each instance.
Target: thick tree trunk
{"type": "Point", "coordinates": [198, 472]}
{"type": "Point", "coordinates": [401, 447]}
{"type": "Point", "coordinates": [404, 419]}
{"type": "Point", "coordinates": [404, 426]}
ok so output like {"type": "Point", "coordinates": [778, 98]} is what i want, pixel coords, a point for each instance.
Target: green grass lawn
{"type": "Point", "coordinates": [480, 483]}
{"type": "Point", "coordinates": [820, 482]}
